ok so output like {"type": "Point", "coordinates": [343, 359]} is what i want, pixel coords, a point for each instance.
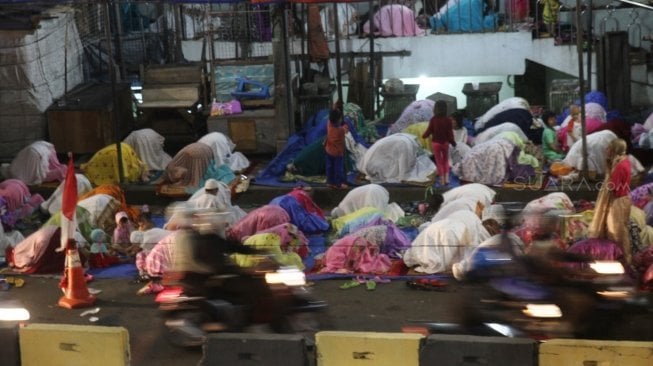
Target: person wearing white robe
{"type": "Point", "coordinates": [53, 204]}
{"type": "Point", "coordinates": [477, 191]}
{"type": "Point", "coordinates": [460, 204]}
{"type": "Point", "coordinates": [461, 268]}
{"type": "Point", "coordinates": [37, 163]}
{"type": "Point", "coordinates": [493, 131]}
{"type": "Point", "coordinates": [148, 145]}
{"type": "Point", "coordinates": [223, 151]}
{"type": "Point", "coordinates": [397, 158]}
{"type": "Point", "coordinates": [368, 195]}
{"type": "Point", "coordinates": [445, 242]}
{"type": "Point", "coordinates": [504, 105]}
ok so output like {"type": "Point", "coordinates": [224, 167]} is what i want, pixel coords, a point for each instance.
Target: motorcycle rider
{"type": "Point", "coordinates": [202, 266]}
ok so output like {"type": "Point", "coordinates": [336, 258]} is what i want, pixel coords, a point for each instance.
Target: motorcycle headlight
{"type": "Point", "coordinates": [543, 311]}
{"type": "Point", "coordinates": [287, 276]}
{"type": "Point", "coordinates": [607, 267]}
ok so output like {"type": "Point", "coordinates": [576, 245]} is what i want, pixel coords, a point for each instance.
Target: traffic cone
{"type": "Point", "coordinates": [76, 293]}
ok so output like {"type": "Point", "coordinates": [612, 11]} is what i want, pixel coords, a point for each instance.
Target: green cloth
{"type": "Point", "coordinates": [84, 224]}
{"type": "Point", "coordinates": [549, 138]}
{"type": "Point", "coordinates": [523, 158]}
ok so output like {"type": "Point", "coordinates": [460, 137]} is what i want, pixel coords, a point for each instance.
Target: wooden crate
{"type": "Point", "coordinates": [84, 121]}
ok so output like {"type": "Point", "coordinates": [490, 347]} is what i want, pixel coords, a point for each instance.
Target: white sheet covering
{"type": "Point", "coordinates": [504, 105]}
{"type": "Point", "coordinates": [597, 143]}
{"type": "Point", "coordinates": [492, 132]}
{"type": "Point", "coordinates": [32, 164]}
{"type": "Point", "coordinates": [148, 145]}
{"type": "Point", "coordinates": [53, 204]}
{"type": "Point", "coordinates": [477, 191]}
{"type": "Point", "coordinates": [445, 242]}
{"type": "Point", "coordinates": [223, 151]}
{"type": "Point", "coordinates": [369, 195]}
{"type": "Point", "coordinates": [396, 158]}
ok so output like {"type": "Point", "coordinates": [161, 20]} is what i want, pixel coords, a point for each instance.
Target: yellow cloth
{"type": "Point", "coordinates": [358, 215]}
{"type": "Point", "coordinates": [417, 130]}
{"type": "Point", "coordinates": [270, 243]}
{"type": "Point", "coordinates": [103, 166]}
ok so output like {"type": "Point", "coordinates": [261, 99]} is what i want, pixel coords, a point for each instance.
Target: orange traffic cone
{"type": "Point", "coordinates": [76, 293]}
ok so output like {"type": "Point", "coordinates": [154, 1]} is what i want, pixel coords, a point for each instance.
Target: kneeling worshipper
{"type": "Point", "coordinates": [192, 166]}
{"type": "Point", "coordinates": [459, 204]}
{"type": "Point", "coordinates": [309, 221]}
{"type": "Point", "coordinates": [397, 158]}
{"type": "Point", "coordinates": [103, 168]}
{"type": "Point", "coordinates": [37, 163]}
{"type": "Point", "coordinates": [146, 240]}
{"type": "Point", "coordinates": [116, 193]}
{"type": "Point", "coordinates": [148, 145]}
{"type": "Point", "coordinates": [418, 111]}
{"type": "Point", "coordinates": [355, 254]}
{"type": "Point", "coordinates": [368, 195]}
{"type": "Point", "coordinates": [504, 105]}
{"type": "Point", "coordinates": [460, 269]}
{"type": "Point", "coordinates": [38, 252]}
{"type": "Point", "coordinates": [480, 192]}
{"type": "Point", "coordinates": [493, 163]}
{"type": "Point", "coordinates": [16, 202]}
{"type": "Point", "coordinates": [286, 243]}
{"type": "Point", "coordinates": [215, 197]}
{"type": "Point", "coordinates": [53, 204]}
{"type": "Point", "coordinates": [223, 151]}
{"type": "Point", "coordinates": [446, 242]}
{"type": "Point", "coordinates": [257, 220]}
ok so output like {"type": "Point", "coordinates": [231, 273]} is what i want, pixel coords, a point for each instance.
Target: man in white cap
{"type": "Point", "coordinates": [211, 196]}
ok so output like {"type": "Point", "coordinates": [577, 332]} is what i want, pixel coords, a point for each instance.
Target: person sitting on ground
{"type": "Point", "coordinates": [121, 242]}
{"type": "Point", "coordinates": [144, 220]}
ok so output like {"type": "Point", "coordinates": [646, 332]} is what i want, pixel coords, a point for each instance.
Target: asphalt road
{"type": "Point", "coordinates": [386, 309]}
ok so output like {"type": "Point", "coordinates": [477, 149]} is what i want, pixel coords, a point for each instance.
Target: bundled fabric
{"type": "Point", "coordinates": [148, 145]}
{"type": "Point", "coordinates": [464, 16]}
{"type": "Point", "coordinates": [37, 163]}
{"type": "Point", "coordinates": [103, 167]}
{"type": "Point", "coordinates": [394, 21]}
{"type": "Point", "coordinates": [445, 242]}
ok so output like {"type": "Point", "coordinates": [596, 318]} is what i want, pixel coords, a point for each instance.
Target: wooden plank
{"type": "Point", "coordinates": [243, 133]}
{"type": "Point", "coordinates": [186, 93]}
{"type": "Point", "coordinates": [178, 74]}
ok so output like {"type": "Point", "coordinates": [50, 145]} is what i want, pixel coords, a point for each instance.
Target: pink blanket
{"type": "Point", "coordinates": [394, 20]}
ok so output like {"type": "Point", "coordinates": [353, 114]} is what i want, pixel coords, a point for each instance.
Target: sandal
{"type": "Point", "coordinates": [15, 281]}
{"type": "Point", "coordinates": [370, 285]}
{"type": "Point", "coordinates": [427, 285]}
{"type": "Point", "coordinates": [350, 284]}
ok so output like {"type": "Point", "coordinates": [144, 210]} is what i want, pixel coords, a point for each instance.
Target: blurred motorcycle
{"type": "Point", "coordinates": [269, 297]}
{"type": "Point", "coordinates": [554, 294]}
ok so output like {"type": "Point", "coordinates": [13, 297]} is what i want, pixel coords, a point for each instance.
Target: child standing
{"type": "Point", "coordinates": [440, 129]}
{"type": "Point", "coordinates": [334, 146]}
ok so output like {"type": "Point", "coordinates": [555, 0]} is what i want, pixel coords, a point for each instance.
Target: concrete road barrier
{"type": "Point", "coordinates": [460, 350]}
{"type": "Point", "coordinates": [240, 349]}
{"type": "Point", "coordinates": [558, 352]}
{"type": "Point", "coordinates": [9, 351]}
{"type": "Point", "coordinates": [367, 348]}
{"type": "Point", "coordinates": [69, 345]}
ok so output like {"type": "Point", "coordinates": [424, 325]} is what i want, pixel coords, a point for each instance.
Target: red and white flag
{"type": "Point", "coordinates": [69, 204]}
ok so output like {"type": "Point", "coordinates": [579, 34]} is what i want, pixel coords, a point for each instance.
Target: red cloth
{"type": "Point", "coordinates": [335, 139]}
{"type": "Point", "coordinates": [306, 202]}
{"type": "Point", "coordinates": [441, 130]}
{"type": "Point", "coordinates": [101, 260]}
{"type": "Point", "coordinates": [620, 179]}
